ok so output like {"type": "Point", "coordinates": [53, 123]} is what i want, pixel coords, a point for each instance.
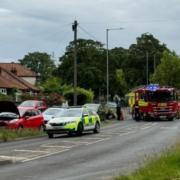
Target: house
{"type": "Point", "coordinates": [21, 71]}
{"type": "Point", "coordinates": [14, 76]}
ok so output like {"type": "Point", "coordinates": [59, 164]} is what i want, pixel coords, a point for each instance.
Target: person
{"type": "Point", "coordinates": [117, 100]}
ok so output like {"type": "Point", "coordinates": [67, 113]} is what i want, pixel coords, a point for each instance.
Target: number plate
{"type": "Point", "coordinates": [162, 104]}
{"type": "Point", "coordinates": [162, 117]}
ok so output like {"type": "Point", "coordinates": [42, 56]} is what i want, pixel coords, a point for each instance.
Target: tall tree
{"type": "Point", "coordinates": [135, 64]}
{"type": "Point", "coordinates": [168, 71]}
{"type": "Point", "coordinates": [40, 63]}
{"type": "Point", "coordinates": [91, 65]}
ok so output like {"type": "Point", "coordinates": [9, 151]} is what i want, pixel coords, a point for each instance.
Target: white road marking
{"type": "Point", "coordinates": [174, 127]}
{"type": "Point", "coordinates": [13, 158]}
{"type": "Point", "coordinates": [37, 157]}
{"type": "Point", "coordinates": [126, 133]}
{"type": "Point", "coordinates": [76, 142]}
{"type": "Point", "coordinates": [32, 151]}
{"type": "Point", "coordinates": [145, 127]}
{"type": "Point", "coordinates": [56, 146]}
{"type": "Point", "coordinates": [97, 141]}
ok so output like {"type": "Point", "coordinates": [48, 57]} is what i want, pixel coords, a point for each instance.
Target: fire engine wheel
{"type": "Point", "coordinates": [171, 119]}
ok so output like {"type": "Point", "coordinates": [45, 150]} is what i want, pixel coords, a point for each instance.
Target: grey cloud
{"type": "Point", "coordinates": [45, 25]}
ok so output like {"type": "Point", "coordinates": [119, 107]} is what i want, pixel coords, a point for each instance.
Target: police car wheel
{"type": "Point", "coordinates": [79, 129]}
{"type": "Point", "coordinates": [97, 128]}
{"type": "Point", "coordinates": [50, 135]}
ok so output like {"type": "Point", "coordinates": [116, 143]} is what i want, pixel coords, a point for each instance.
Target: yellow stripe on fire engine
{"type": "Point", "coordinates": [142, 103]}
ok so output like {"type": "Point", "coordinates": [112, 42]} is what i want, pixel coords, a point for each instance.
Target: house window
{"type": "Point", "coordinates": [3, 91]}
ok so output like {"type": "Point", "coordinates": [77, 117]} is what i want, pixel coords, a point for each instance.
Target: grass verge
{"type": "Point", "coordinates": [10, 134]}
{"type": "Point", "coordinates": [164, 167]}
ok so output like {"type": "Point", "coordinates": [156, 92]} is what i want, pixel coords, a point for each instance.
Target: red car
{"type": "Point", "coordinates": [36, 104]}
{"type": "Point", "coordinates": [14, 118]}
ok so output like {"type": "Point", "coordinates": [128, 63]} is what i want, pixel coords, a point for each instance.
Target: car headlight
{"type": "Point", "coordinates": [69, 122]}
{"type": "Point", "coordinates": [14, 121]}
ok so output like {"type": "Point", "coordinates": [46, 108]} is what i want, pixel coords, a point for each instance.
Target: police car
{"type": "Point", "coordinates": [74, 120]}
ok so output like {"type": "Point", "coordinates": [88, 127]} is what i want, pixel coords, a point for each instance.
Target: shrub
{"type": "Point", "coordinates": [5, 97]}
{"type": "Point", "coordinates": [83, 96]}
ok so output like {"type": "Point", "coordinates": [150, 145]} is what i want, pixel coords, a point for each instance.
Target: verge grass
{"type": "Point", "coordinates": [164, 167]}
{"type": "Point", "coordinates": [11, 134]}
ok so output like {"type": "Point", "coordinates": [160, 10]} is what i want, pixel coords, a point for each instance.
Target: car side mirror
{"type": "Point", "coordinates": [85, 115]}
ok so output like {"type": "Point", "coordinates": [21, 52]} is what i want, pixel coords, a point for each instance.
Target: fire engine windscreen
{"type": "Point", "coordinates": [161, 96]}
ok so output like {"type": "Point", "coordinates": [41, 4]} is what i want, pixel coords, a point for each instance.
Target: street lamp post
{"type": "Point", "coordinates": [107, 59]}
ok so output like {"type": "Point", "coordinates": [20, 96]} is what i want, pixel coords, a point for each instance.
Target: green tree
{"type": "Point", "coordinates": [91, 65]}
{"type": "Point", "coordinates": [168, 71]}
{"type": "Point", "coordinates": [134, 65]}
{"type": "Point", "coordinates": [52, 84]}
{"type": "Point", "coordinates": [40, 63]}
{"type": "Point", "coordinates": [121, 85]}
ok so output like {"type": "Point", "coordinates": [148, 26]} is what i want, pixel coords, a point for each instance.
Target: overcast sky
{"type": "Point", "coordinates": [45, 25]}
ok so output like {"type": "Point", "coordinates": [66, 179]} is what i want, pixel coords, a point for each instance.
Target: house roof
{"type": "Point", "coordinates": [10, 80]}
{"type": "Point", "coordinates": [18, 69]}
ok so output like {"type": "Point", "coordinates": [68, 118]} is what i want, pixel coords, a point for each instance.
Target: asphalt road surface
{"type": "Point", "coordinates": [121, 147]}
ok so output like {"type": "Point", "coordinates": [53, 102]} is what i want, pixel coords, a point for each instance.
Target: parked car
{"type": "Point", "coordinates": [51, 112]}
{"type": "Point", "coordinates": [98, 108]}
{"type": "Point", "coordinates": [15, 118]}
{"type": "Point", "coordinates": [110, 110]}
{"type": "Point", "coordinates": [74, 120]}
{"type": "Point", "coordinates": [36, 104]}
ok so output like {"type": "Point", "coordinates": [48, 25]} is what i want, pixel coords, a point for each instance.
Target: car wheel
{"type": "Point", "coordinates": [170, 118]}
{"type": "Point", "coordinates": [20, 127]}
{"type": "Point", "coordinates": [41, 128]}
{"type": "Point", "coordinates": [70, 134]}
{"type": "Point", "coordinates": [97, 128]}
{"type": "Point", "coordinates": [79, 129]}
{"type": "Point", "coordinates": [50, 135]}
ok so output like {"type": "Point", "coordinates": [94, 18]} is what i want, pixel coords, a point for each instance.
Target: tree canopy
{"type": "Point", "coordinates": [168, 71]}
{"type": "Point", "coordinates": [40, 63]}
{"type": "Point", "coordinates": [127, 67]}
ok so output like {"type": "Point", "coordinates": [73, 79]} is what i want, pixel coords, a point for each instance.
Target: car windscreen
{"type": "Point", "coordinates": [52, 111]}
{"type": "Point", "coordinates": [28, 103]}
{"type": "Point", "coordinates": [22, 111]}
{"type": "Point", "coordinates": [74, 112]}
{"type": "Point", "coordinates": [92, 107]}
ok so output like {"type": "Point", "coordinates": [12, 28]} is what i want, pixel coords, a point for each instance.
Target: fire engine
{"type": "Point", "coordinates": [155, 102]}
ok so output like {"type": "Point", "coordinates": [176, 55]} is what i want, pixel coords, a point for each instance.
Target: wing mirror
{"type": "Point", "coordinates": [85, 115]}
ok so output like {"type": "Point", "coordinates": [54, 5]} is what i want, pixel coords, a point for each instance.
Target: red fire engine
{"type": "Point", "coordinates": [155, 102]}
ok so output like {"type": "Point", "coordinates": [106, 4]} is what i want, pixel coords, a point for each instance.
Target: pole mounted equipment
{"type": "Point", "coordinates": [74, 28]}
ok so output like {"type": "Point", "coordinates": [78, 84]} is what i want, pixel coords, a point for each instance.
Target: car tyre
{"type": "Point", "coordinates": [50, 135]}
{"type": "Point", "coordinates": [97, 128]}
{"type": "Point", "coordinates": [41, 128]}
{"type": "Point", "coordinates": [79, 129]}
{"type": "Point", "coordinates": [20, 127]}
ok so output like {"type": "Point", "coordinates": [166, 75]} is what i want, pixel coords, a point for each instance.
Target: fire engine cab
{"type": "Point", "coordinates": [155, 102]}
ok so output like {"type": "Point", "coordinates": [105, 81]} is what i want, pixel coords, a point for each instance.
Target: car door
{"type": "Point", "coordinates": [85, 116]}
{"type": "Point", "coordinates": [92, 118]}
{"type": "Point", "coordinates": [28, 123]}
{"type": "Point", "coordinates": [32, 119]}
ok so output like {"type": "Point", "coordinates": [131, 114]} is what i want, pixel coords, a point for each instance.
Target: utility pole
{"type": "Point", "coordinates": [74, 28]}
{"type": "Point", "coordinates": [147, 68]}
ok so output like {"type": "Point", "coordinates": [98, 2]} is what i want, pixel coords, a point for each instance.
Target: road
{"type": "Point", "coordinates": [120, 147]}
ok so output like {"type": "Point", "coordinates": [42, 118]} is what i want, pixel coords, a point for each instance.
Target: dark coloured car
{"type": "Point", "coordinates": [110, 110]}
{"type": "Point", "coordinates": [14, 118]}
{"type": "Point", "coordinates": [98, 108]}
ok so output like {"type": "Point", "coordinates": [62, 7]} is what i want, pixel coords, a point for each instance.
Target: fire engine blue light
{"type": "Point", "coordinates": [152, 87]}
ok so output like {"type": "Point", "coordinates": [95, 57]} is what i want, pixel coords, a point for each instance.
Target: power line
{"type": "Point", "coordinates": [85, 31]}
